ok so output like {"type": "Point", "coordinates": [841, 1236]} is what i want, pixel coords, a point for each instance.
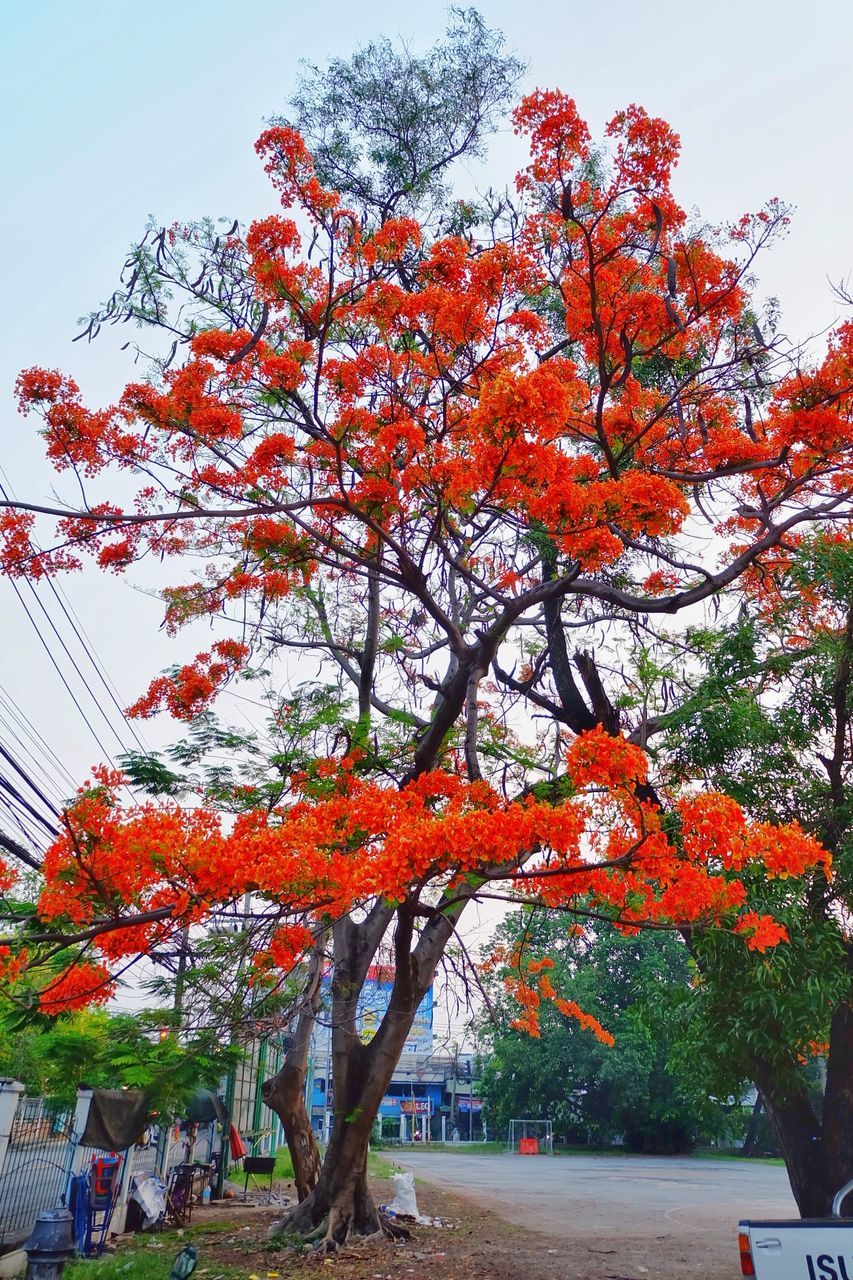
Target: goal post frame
{"type": "Point", "coordinates": [542, 1130]}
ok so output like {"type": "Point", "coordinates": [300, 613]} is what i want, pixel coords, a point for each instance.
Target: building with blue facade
{"type": "Point", "coordinates": [429, 1098]}
{"type": "Point", "coordinates": [428, 1092]}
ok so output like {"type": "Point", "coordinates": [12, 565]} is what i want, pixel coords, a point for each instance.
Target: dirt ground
{"type": "Point", "coordinates": [475, 1245]}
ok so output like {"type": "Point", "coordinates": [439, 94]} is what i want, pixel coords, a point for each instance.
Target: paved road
{"type": "Point", "coordinates": [628, 1198]}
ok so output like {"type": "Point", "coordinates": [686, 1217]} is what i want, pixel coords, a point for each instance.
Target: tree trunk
{"type": "Point", "coordinates": [818, 1152]}
{"type": "Point", "coordinates": [340, 1205]}
{"type": "Point", "coordinates": [837, 1120]}
{"type": "Point", "coordinates": [284, 1093]}
{"type": "Point", "coordinates": [797, 1131]}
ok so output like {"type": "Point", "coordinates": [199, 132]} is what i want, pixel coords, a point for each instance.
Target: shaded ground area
{"type": "Point", "coordinates": [579, 1218]}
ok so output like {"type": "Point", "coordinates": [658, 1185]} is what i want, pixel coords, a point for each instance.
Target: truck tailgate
{"type": "Point", "coordinates": [809, 1249]}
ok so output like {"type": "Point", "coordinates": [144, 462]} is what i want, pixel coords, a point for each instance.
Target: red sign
{"type": "Point", "coordinates": [415, 1106]}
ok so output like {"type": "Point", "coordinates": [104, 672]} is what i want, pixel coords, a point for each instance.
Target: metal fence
{"type": "Point", "coordinates": [260, 1127]}
{"type": "Point", "coordinates": [36, 1166]}
{"type": "Point", "coordinates": [40, 1150]}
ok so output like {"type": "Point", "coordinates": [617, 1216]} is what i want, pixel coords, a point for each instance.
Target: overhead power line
{"type": "Point", "coordinates": [22, 824]}
{"type": "Point", "coordinates": [19, 851]}
{"type": "Point", "coordinates": [28, 780]}
{"type": "Point", "coordinates": [11, 711]}
{"type": "Point", "coordinates": [19, 816]}
{"type": "Point", "coordinates": [60, 672]}
{"type": "Point", "coordinates": [24, 804]}
{"type": "Point", "coordinates": [46, 779]}
{"type": "Point", "coordinates": [88, 648]}
{"type": "Point", "coordinates": [76, 629]}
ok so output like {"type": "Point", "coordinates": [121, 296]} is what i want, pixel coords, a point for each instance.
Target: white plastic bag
{"type": "Point", "coordinates": [404, 1204]}
{"type": "Point", "coordinates": [150, 1194]}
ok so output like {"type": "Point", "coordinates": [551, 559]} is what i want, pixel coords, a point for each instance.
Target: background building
{"type": "Point", "coordinates": [432, 1095]}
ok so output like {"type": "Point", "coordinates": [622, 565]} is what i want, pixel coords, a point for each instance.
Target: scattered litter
{"type": "Point", "coordinates": [150, 1194]}
{"type": "Point", "coordinates": [405, 1205]}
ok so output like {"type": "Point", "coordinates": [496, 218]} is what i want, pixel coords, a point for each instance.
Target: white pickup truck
{"type": "Point", "coordinates": [799, 1248]}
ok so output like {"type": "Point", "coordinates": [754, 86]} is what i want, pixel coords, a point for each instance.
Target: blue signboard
{"type": "Point", "coordinates": [372, 1006]}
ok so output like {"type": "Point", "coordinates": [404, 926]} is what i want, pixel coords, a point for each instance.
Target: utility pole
{"type": "Point", "coordinates": [180, 976]}
{"type": "Point", "coordinates": [454, 1113]}
{"type": "Point", "coordinates": [231, 1082]}
{"type": "Point", "coordinates": [328, 1084]}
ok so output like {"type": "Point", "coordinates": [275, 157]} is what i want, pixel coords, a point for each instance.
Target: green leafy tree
{"type": "Point", "coordinates": [115, 1051]}
{"type": "Point", "coordinates": [595, 1092]}
{"type": "Point", "coordinates": [386, 126]}
{"type": "Point", "coordinates": [769, 721]}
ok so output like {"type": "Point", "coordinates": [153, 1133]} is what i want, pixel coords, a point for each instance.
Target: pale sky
{"type": "Point", "coordinates": [114, 110]}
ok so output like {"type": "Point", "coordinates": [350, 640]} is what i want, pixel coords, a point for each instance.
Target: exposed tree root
{"type": "Point", "coordinates": [328, 1245]}
{"type": "Point", "coordinates": [393, 1229]}
{"type": "Point", "coordinates": [334, 1231]}
{"type": "Point", "coordinates": [340, 1209]}
{"type": "Point", "coordinates": [318, 1233]}
{"type": "Point", "coordinates": [298, 1222]}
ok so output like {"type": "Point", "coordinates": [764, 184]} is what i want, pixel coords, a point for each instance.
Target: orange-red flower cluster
{"type": "Point", "coordinates": [186, 693]}
{"type": "Point", "coordinates": [8, 876]}
{"type": "Point", "coordinates": [761, 931]}
{"type": "Point", "coordinates": [82, 984]}
{"type": "Point", "coordinates": [529, 994]}
{"type": "Point", "coordinates": [606, 759]}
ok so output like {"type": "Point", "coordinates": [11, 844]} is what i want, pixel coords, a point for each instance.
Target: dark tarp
{"type": "Point", "coordinates": [117, 1118]}
{"type": "Point", "coordinates": [204, 1107]}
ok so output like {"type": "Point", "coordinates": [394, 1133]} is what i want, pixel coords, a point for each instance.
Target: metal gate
{"type": "Point", "coordinates": [36, 1167]}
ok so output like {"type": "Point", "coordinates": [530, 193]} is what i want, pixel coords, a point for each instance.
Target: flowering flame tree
{"type": "Point", "coordinates": [425, 460]}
